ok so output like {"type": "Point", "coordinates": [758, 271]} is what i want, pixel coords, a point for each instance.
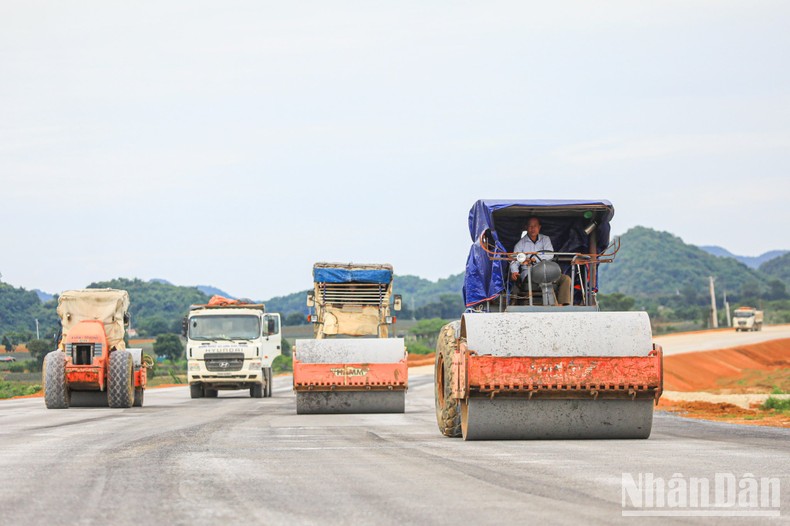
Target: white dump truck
{"type": "Point", "coordinates": [231, 344]}
{"type": "Point", "coordinates": [747, 319]}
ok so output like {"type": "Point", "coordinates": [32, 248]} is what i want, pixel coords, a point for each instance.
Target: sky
{"type": "Point", "coordinates": [236, 143]}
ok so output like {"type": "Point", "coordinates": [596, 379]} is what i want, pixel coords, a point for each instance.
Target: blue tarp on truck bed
{"type": "Point", "coordinates": [562, 220]}
{"type": "Point", "coordinates": [346, 275]}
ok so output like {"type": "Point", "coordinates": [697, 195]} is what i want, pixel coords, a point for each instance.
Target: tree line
{"type": "Point", "coordinates": [654, 271]}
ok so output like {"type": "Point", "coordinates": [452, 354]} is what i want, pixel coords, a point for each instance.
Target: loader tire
{"type": "Point", "coordinates": [120, 384]}
{"type": "Point", "coordinates": [196, 391]}
{"type": "Point", "coordinates": [268, 374]}
{"type": "Point", "coordinates": [139, 396]}
{"type": "Point", "coordinates": [448, 414]}
{"type": "Point", "coordinates": [56, 391]}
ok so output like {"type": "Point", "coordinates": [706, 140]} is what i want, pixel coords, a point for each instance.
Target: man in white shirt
{"type": "Point", "coordinates": [534, 241]}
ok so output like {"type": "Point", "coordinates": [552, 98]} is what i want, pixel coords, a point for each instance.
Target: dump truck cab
{"type": "Point", "coordinates": [231, 344]}
{"type": "Point", "coordinates": [518, 365]}
{"type": "Point", "coordinates": [353, 364]}
{"type": "Point", "coordinates": [92, 365]}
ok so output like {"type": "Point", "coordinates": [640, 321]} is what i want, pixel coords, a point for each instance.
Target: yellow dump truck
{"type": "Point", "coordinates": [353, 364]}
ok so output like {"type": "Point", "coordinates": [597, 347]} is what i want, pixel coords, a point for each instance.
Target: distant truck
{"type": "Point", "coordinates": [231, 344]}
{"type": "Point", "coordinates": [747, 319]}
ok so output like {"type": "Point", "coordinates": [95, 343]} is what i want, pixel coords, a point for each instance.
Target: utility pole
{"type": "Point", "coordinates": [38, 337]}
{"type": "Point", "coordinates": [714, 317]}
{"type": "Point", "coordinates": [727, 310]}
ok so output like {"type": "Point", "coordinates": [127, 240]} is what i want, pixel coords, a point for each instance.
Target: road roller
{"type": "Point", "coordinates": [92, 367]}
{"type": "Point", "coordinates": [533, 356]}
{"type": "Point", "coordinates": [353, 364]}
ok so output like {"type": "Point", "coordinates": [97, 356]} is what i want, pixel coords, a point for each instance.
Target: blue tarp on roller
{"type": "Point", "coordinates": [345, 275]}
{"type": "Point", "coordinates": [505, 220]}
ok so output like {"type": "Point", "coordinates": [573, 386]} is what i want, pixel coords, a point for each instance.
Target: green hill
{"type": "Point", "coordinates": [654, 270]}
{"type": "Point", "coordinates": [653, 263]}
{"type": "Point", "coordinates": [422, 298]}
{"type": "Point", "coordinates": [670, 279]}
{"type": "Point", "coordinates": [778, 268]}
{"type": "Point", "coordinates": [294, 304]}
{"type": "Point", "coordinates": [750, 261]}
{"type": "Point", "coordinates": [19, 310]}
{"type": "Point", "coordinates": [423, 292]}
{"type": "Point", "coordinates": [156, 306]}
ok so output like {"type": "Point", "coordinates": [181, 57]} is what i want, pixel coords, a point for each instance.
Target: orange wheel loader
{"type": "Point", "coordinates": [92, 366]}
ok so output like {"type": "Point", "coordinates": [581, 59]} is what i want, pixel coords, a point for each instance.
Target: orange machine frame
{"type": "Point", "coordinates": [92, 377]}
{"type": "Point", "coordinates": [558, 377]}
{"type": "Point", "coordinates": [350, 376]}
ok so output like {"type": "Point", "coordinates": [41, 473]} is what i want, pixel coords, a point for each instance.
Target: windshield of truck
{"type": "Point", "coordinates": [744, 314]}
{"type": "Point", "coordinates": [224, 327]}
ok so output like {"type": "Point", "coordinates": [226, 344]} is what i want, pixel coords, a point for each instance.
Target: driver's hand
{"type": "Point", "coordinates": [514, 276]}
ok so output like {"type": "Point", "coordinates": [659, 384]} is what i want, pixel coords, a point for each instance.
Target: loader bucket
{"type": "Point", "coordinates": [359, 375]}
{"type": "Point", "coordinates": [556, 375]}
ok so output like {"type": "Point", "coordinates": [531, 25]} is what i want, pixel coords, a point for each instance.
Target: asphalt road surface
{"type": "Point", "coordinates": [237, 460]}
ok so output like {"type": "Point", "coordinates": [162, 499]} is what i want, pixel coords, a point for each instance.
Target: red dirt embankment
{"type": "Point", "coordinates": [725, 412]}
{"type": "Point", "coordinates": [729, 369]}
{"type": "Point", "coordinates": [417, 360]}
{"type": "Point", "coordinates": [756, 368]}
{"type": "Point", "coordinates": [711, 370]}
{"type": "Point", "coordinates": [140, 341]}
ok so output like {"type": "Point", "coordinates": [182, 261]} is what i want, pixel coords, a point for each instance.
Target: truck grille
{"type": "Point", "coordinates": [83, 353]}
{"type": "Point", "coordinates": [222, 362]}
{"type": "Point", "coordinates": [353, 293]}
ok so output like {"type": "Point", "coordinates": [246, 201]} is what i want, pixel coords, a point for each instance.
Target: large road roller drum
{"type": "Point", "coordinates": [345, 375]}
{"type": "Point", "coordinates": [549, 375]}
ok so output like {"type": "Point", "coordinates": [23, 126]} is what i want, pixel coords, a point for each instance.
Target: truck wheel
{"type": "Point", "coordinates": [256, 391]}
{"type": "Point", "coordinates": [139, 394]}
{"type": "Point", "coordinates": [56, 391]}
{"type": "Point", "coordinates": [196, 391]}
{"type": "Point", "coordinates": [448, 415]}
{"type": "Point", "coordinates": [120, 384]}
{"type": "Point", "coordinates": [210, 393]}
{"type": "Point", "coordinates": [268, 374]}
